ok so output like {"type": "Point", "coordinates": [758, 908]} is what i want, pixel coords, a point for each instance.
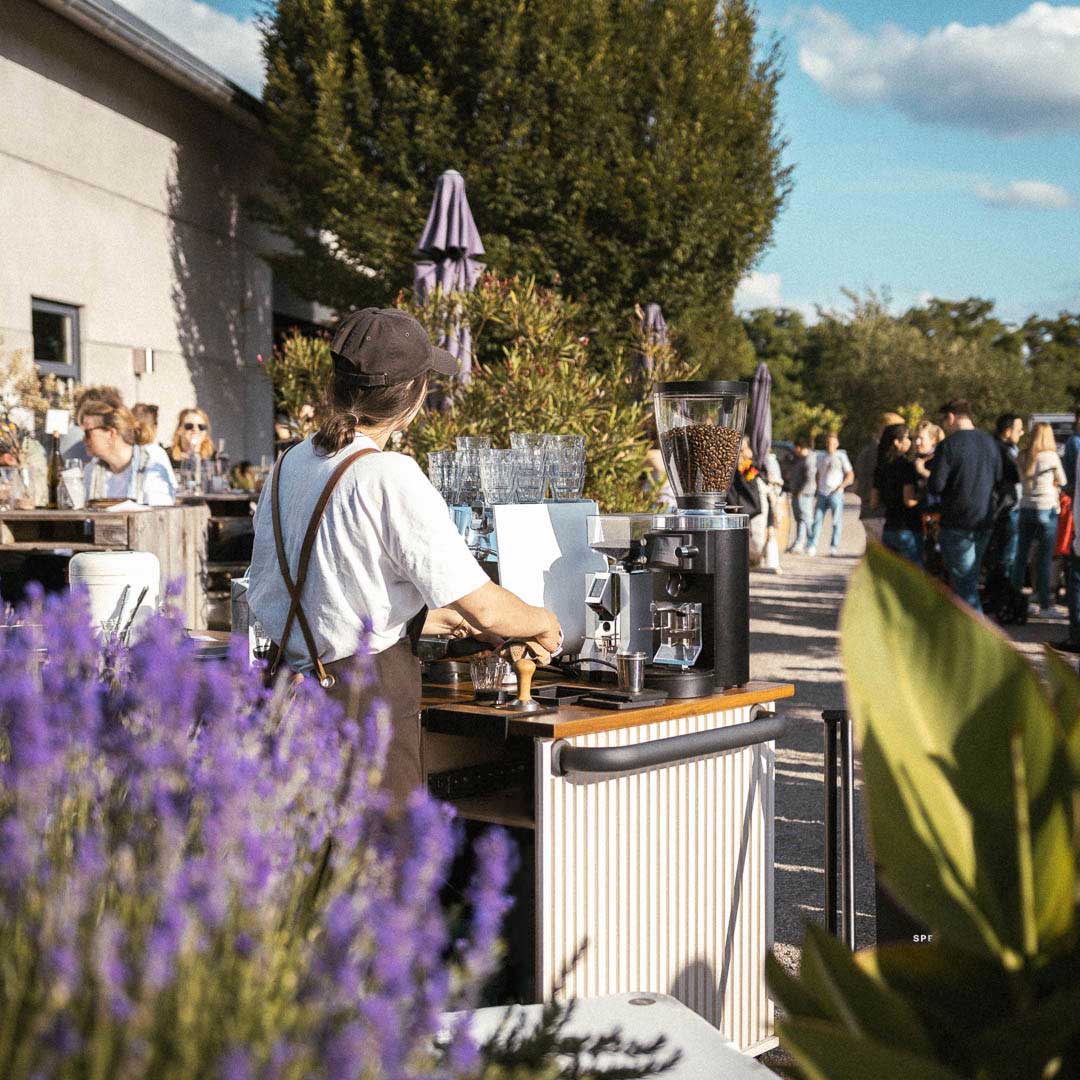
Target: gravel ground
{"type": "Point", "coordinates": [793, 638]}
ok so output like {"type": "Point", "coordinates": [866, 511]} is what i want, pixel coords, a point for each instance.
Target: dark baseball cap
{"type": "Point", "coordinates": [383, 346]}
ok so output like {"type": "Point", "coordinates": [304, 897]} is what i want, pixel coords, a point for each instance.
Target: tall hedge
{"type": "Point", "coordinates": [629, 146]}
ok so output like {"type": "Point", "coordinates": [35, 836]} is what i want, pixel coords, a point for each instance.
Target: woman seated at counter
{"type": "Point", "coordinates": [122, 466]}
{"type": "Point", "coordinates": [374, 541]}
{"type": "Point", "coordinates": [191, 439]}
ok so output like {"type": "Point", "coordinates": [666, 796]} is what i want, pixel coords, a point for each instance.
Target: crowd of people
{"type": "Point", "coordinates": [975, 508]}
{"type": "Point", "coordinates": [117, 450]}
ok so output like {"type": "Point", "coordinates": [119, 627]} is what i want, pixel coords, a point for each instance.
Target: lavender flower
{"type": "Point", "coordinates": [189, 853]}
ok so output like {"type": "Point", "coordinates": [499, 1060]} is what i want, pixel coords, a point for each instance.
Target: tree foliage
{"type": "Point", "coordinates": [971, 761]}
{"type": "Point", "coordinates": [630, 147]}
{"type": "Point", "coordinates": [865, 360]}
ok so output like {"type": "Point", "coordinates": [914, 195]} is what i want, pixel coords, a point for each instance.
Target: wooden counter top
{"type": "Point", "coordinates": [569, 720]}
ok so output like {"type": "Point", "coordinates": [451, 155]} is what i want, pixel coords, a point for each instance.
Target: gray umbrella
{"type": "Point", "coordinates": [759, 426]}
{"type": "Point", "coordinates": [654, 329]}
{"type": "Point", "coordinates": [447, 257]}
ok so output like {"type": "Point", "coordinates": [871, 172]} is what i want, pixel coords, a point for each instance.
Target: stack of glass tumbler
{"type": "Point", "coordinates": [476, 473]}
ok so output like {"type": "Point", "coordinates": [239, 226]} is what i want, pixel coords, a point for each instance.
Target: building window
{"type": "Point", "coordinates": [56, 338]}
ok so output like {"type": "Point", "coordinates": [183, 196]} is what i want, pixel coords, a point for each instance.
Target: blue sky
{"type": "Point", "coordinates": [936, 145]}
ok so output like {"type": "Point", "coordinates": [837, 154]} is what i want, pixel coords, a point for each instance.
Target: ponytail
{"type": "Point", "coordinates": [349, 407]}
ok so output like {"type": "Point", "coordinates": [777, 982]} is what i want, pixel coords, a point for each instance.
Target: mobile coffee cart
{"type": "Point", "coordinates": [652, 838]}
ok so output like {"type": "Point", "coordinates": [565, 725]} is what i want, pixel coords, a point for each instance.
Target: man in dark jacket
{"type": "Point", "coordinates": [1001, 554]}
{"type": "Point", "coordinates": [966, 469]}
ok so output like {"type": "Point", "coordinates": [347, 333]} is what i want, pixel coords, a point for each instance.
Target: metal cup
{"type": "Point", "coordinates": [631, 671]}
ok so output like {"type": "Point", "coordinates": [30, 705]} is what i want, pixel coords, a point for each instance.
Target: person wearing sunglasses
{"type": "Point", "coordinates": [191, 438]}
{"type": "Point", "coordinates": [122, 466]}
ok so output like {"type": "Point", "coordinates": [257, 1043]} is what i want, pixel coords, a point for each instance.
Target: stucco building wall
{"type": "Point", "coordinates": [122, 193]}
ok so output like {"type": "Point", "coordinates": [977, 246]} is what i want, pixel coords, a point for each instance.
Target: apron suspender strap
{"type": "Point", "coordinates": [296, 588]}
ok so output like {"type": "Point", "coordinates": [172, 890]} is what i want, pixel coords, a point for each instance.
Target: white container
{"type": "Point", "coordinates": [104, 574]}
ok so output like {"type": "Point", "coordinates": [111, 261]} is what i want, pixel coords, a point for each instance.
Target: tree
{"type": "Point", "coordinates": [1053, 347]}
{"type": "Point", "coordinates": [867, 361]}
{"type": "Point", "coordinates": [630, 147]}
{"type": "Point", "coordinates": [779, 338]}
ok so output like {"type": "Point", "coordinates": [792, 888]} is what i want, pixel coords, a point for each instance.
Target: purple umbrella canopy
{"type": "Point", "coordinates": [447, 257]}
{"type": "Point", "coordinates": [759, 428]}
{"type": "Point", "coordinates": [654, 329]}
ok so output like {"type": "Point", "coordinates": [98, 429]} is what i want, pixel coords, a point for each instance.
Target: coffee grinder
{"type": "Point", "coordinates": [680, 587]}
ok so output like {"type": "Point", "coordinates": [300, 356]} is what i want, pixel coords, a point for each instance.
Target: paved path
{"type": "Point", "coordinates": [794, 638]}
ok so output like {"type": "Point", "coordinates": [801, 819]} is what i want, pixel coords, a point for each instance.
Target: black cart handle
{"type": "Point", "coordinates": [590, 760]}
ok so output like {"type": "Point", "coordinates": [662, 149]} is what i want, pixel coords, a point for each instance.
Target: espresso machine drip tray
{"type": "Point", "coordinates": [680, 683]}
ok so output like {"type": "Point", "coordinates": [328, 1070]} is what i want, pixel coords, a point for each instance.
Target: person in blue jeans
{"type": "Point", "coordinates": [895, 490]}
{"type": "Point", "coordinates": [1071, 454]}
{"type": "Point", "coordinates": [834, 476]}
{"type": "Point", "coordinates": [966, 469]}
{"type": "Point", "coordinates": [803, 493]}
{"type": "Point", "coordinates": [1042, 477]}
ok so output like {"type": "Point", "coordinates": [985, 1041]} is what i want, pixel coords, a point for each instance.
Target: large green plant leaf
{"type": "Point", "coordinates": [825, 1051]}
{"type": "Point", "coordinates": [851, 996]}
{"type": "Point", "coordinates": [958, 742]}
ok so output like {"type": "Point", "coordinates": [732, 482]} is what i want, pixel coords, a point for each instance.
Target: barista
{"type": "Point", "coordinates": [348, 534]}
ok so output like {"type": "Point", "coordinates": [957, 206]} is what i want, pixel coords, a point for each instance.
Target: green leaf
{"type": "Point", "coordinates": [789, 992]}
{"type": "Point", "coordinates": [1055, 876]}
{"type": "Point", "coordinates": [941, 983]}
{"type": "Point", "coordinates": [1064, 686]}
{"type": "Point", "coordinates": [827, 1052]}
{"type": "Point", "coordinates": [936, 695]}
{"type": "Point", "coordinates": [853, 997]}
{"type": "Point", "coordinates": [1024, 1045]}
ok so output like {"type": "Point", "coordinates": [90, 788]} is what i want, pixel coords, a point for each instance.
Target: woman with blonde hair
{"type": "Point", "coordinates": [121, 465]}
{"type": "Point", "coordinates": [1042, 476]}
{"type": "Point", "coordinates": [191, 437]}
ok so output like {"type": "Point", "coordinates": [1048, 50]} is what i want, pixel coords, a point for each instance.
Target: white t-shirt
{"type": "Point", "coordinates": [386, 548]}
{"type": "Point", "coordinates": [831, 470]}
{"type": "Point", "coordinates": [148, 479]}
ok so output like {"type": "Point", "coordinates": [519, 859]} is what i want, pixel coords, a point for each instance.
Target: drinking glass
{"type": "Point", "coordinates": [566, 465]}
{"type": "Point", "coordinates": [473, 442]}
{"type": "Point", "coordinates": [530, 474]}
{"type": "Point", "coordinates": [497, 476]}
{"type": "Point", "coordinates": [8, 479]}
{"type": "Point", "coordinates": [440, 467]}
{"type": "Point", "coordinates": [466, 478]}
{"type": "Point", "coordinates": [488, 672]}
{"type": "Point", "coordinates": [526, 440]}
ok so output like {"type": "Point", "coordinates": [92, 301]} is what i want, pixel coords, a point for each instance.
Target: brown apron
{"type": "Point", "coordinates": [391, 676]}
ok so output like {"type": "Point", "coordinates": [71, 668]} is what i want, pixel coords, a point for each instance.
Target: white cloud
{"type": "Point", "coordinates": [1013, 78]}
{"type": "Point", "coordinates": [758, 290]}
{"type": "Point", "coordinates": [229, 45]}
{"type": "Point", "coordinates": [1026, 195]}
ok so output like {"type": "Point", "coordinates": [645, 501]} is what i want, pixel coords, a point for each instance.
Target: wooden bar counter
{"type": "Point", "coordinates": [663, 872]}
{"type": "Point", "coordinates": [175, 534]}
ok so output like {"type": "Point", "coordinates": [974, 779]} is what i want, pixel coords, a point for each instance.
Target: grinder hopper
{"type": "Point", "coordinates": [700, 425]}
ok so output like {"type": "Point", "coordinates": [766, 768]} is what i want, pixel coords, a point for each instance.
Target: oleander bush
{"type": "Point", "coordinates": [971, 765]}
{"type": "Point", "coordinates": [536, 369]}
{"type": "Point", "coordinates": [199, 878]}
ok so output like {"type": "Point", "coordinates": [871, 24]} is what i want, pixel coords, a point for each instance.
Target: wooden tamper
{"type": "Point", "coordinates": [524, 668]}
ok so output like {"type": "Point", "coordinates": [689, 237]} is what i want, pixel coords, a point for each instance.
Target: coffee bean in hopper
{"type": "Point", "coordinates": [703, 456]}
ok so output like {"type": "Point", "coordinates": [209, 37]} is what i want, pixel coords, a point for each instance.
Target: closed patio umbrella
{"type": "Point", "coordinates": [447, 257]}
{"type": "Point", "coordinates": [654, 329]}
{"type": "Point", "coordinates": [760, 425]}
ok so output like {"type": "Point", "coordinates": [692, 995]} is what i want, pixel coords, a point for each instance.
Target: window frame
{"type": "Point", "coordinates": [70, 370]}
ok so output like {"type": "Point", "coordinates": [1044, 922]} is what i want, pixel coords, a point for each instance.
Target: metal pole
{"type": "Point", "coordinates": [829, 718]}
{"type": "Point", "coordinates": [847, 833]}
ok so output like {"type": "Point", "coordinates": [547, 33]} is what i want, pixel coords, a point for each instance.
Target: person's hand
{"type": "Point", "coordinates": [552, 638]}
{"type": "Point", "coordinates": [533, 649]}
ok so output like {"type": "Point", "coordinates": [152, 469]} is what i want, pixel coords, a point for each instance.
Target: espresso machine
{"type": "Point", "coordinates": [678, 588]}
